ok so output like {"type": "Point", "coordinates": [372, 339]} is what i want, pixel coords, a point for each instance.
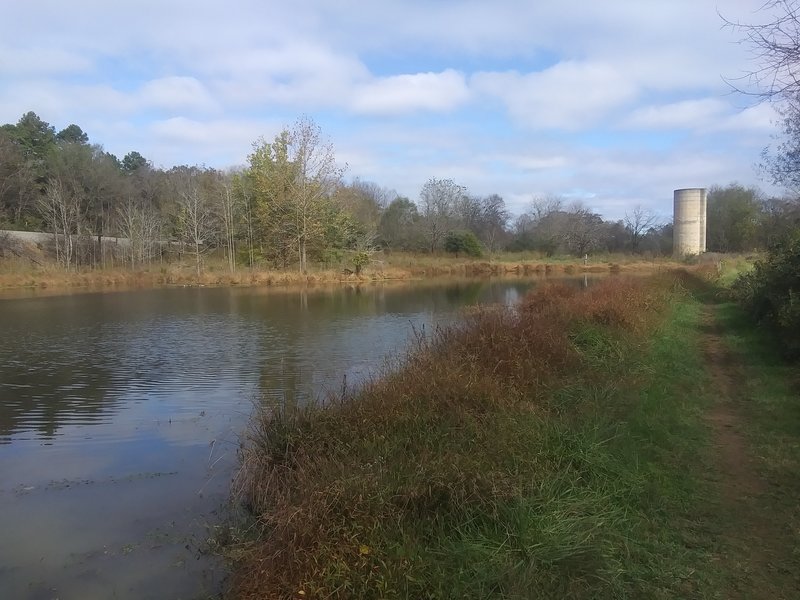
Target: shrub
{"type": "Point", "coordinates": [360, 260]}
{"type": "Point", "coordinates": [771, 291]}
{"type": "Point", "coordinates": [465, 242]}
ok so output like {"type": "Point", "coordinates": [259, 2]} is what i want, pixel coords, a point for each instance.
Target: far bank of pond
{"type": "Point", "coordinates": [402, 268]}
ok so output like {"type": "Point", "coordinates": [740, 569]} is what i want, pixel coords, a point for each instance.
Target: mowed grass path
{"type": "Point", "coordinates": [572, 448]}
{"type": "Point", "coordinates": [755, 423]}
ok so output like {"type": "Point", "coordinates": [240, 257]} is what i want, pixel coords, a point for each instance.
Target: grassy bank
{"type": "Point", "coordinates": [759, 532]}
{"type": "Point", "coordinates": [20, 273]}
{"type": "Point", "coordinates": [550, 451]}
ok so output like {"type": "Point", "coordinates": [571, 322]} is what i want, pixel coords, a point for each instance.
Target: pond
{"type": "Point", "coordinates": [121, 414]}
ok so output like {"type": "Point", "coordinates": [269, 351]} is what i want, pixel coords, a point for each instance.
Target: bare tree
{"type": "Point", "coordinates": [542, 206]}
{"type": "Point", "coordinates": [775, 46]}
{"type": "Point", "coordinates": [467, 212]}
{"type": "Point", "coordinates": [140, 223]}
{"type": "Point", "coordinates": [548, 224]}
{"type": "Point", "coordinates": [61, 211]}
{"type": "Point", "coordinates": [364, 201]}
{"type": "Point", "coordinates": [638, 222]}
{"type": "Point", "coordinates": [229, 213]}
{"type": "Point", "coordinates": [438, 199]}
{"type": "Point", "coordinates": [584, 229]}
{"type": "Point", "coordinates": [194, 218]}
{"type": "Point", "coordinates": [494, 219]}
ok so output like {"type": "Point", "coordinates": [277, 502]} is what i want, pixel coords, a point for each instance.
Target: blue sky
{"type": "Point", "coordinates": [613, 103]}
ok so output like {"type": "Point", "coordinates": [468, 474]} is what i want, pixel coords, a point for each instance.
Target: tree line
{"type": "Point", "coordinates": [291, 206]}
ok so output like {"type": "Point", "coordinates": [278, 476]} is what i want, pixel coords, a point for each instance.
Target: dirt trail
{"type": "Point", "coordinates": [755, 549]}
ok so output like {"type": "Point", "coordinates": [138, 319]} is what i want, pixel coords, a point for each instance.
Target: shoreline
{"type": "Point", "coordinates": [466, 446]}
{"type": "Point", "coordinates": [178, 275]}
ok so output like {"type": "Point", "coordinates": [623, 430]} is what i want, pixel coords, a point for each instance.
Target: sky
{"type": "Point", "coordinates": [613, 103]}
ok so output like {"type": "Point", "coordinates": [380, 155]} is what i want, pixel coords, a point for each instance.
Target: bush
{"type": "Point", "coordinates": [465, 242]}
{"type": "Point", "coordinates": [771, 291]}
{"type": "Point", "coordinates": [360, 260]}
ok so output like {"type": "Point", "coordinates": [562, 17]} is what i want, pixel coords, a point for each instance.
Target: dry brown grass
{"type": "Point", "coordinates": [21, 276]}
{"type": "Point", "coordinates": [18, 273]}
{"type": "Point", "coordinates": [425, 265]}
{"type": "Point", "coordinates": [352, 499]}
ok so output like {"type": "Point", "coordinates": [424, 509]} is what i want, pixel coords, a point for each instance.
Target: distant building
{"type": "Point", "coordinates": [689, 222]}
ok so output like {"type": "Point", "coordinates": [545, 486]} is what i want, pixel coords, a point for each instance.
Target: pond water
{"type": "Point", "coordinates": [121, 414]}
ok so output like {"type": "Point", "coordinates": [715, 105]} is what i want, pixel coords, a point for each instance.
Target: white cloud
{"type": "Point", "coordinates": [678, 115]}
{"type": "Point", "coordinates": [295, 58]}
{"type": "Point", "coordinates": [63, 103]}
{"type": "Point", "coordinates": [706, 115]}
{"type": "Point", "coordinates": [537, 163]}
{"type": "Point", "coordinates": [39, 61]}
{"type": "Point", "coordinates": [759, 118]}
{"type": "Point", "coordinates": [77, 103]}
{"type": "Point", "coordinates": [569, 95]}
{"type": "Point", "coordinates": [176, 94]}
{"type": "Point", "coordinates": [181, 130]}
{"type": "Point", "coordinates": [220, 143]}
{"type": "Point", "coordinates": [408, 93]}
{"type": "Point", "coordinates": [299, 73]}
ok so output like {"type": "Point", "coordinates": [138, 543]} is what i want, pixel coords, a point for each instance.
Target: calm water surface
{"type": "Point", "coordinates": [120, 415]}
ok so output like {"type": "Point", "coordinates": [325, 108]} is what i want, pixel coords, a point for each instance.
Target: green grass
{"type": "Point", "coordinates": [554, 452]}
{"type": "Point", "coordinates": [769, 394]}
{"type": "Point", "coordinates": [656, 432]}
{"type": "Point", "coordinates": [769, 402]}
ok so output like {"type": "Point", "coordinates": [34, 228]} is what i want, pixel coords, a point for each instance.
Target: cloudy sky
{"type": "Point", "coordinates": [614, 102]}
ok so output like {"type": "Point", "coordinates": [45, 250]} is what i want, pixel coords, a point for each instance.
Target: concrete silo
{"type": "Point", "coordinates": [689, 232]}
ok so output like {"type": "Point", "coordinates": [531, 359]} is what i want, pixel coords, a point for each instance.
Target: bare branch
{"type": "Point", "coordinates": [775, 49]}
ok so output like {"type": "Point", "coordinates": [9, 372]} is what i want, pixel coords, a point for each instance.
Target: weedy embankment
{"type": "Point", "coordinates": [535, 451]}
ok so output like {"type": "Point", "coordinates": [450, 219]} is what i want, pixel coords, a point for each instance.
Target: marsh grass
{"type": "Point", "coordinates": [17, 273]}
{"type": "Point", "coordinates": [534, 451]}
{"type": "Point", "coordinates": [17, 276]}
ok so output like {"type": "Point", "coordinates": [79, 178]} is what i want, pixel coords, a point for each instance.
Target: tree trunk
{"type": "Point", "coordinates": [197, 258]}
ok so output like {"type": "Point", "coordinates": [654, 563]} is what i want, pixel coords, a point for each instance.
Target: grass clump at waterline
{"type": "Point", "coordinates": [528, 452]}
